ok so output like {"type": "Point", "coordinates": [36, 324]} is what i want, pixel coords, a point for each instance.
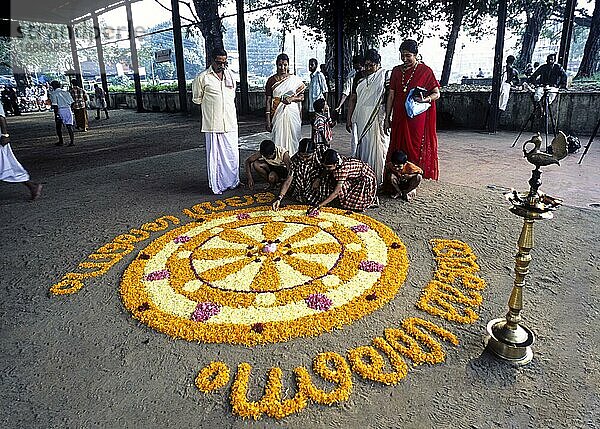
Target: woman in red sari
{"type": "Point", "coordinates": [414, 136]}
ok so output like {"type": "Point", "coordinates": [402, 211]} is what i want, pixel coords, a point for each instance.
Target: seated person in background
{"type": "Point", "coordinates": [402, 177]}
{"type": "Point", "coordinates": [271, 162]}
{"type": "Point", "coordinates": [321, 127]}
{"type": "Point", "coordinates": [547, 78]}
{"type": "Point", "coordinates": [303, 178]}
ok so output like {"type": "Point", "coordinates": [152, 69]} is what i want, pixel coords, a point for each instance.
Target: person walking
{"type": "Point", "coordinates": [100, 101]}
{"type": "Point", "coordinates": [214, 90]}
{"type": "Point", "coordinates": [79, 106]}
{"type": "Point", "coordinates": [11, 170]}
{"type": "Point", "coordinates": [61, 104]}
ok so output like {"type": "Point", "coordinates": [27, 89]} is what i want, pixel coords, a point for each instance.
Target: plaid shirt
{"type": "Point", "coordinates": [322, 125]}
{"type": "Point", "coordinates": [359, 184]}
{"type": "Point", "coordinates": [80, 97]}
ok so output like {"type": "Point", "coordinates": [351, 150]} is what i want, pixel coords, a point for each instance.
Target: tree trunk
{"type": "Point", "coordinates": [537, 14]}
{"type": "Point", "coordinates": [458, 11]}
{"type": "Point", "coordinates": [591, 53]}
{"type": "Point", "coordinates": [210, 26]}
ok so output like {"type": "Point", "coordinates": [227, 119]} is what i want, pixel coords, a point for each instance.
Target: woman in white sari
{"type": "Point", "coordinates": [366, 115]}
{"type": "Point", "coordinates": [284, 95]}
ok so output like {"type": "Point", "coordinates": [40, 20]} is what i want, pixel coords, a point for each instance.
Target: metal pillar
{"type": "Point", "coordinates": [179, 64]}
{"type": "Point", "coordinates": [134, 59]}
{"type": "Point", "coordinates": [76, 65]}
{"type": "Point", "coordinates": [99, 50]}
{"type": "Point", "coordinates": [567, 33]}
{"type": "Point", "coordinates": [243, 59]}
{"type": "Point", "coordinates": [498, 63]}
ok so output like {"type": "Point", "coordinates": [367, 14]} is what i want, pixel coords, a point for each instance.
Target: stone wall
{"type": "Point", "coordinates": [577, 112]}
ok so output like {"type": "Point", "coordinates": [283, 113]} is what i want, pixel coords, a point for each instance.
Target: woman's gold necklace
{"type": "Point", "coordinates": [405, 86]}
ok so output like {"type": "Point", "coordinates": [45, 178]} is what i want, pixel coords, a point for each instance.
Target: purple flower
{"type": "Point", "coordinates": [205, 310]}
{"type": "Point", "coordinates": [242, 216]}
{"type": "Point", "coordinates": [181, 239]}
{"type": "Point", "coordinates": [270, 248]}
{"type": "Point", "coordinates": [371, 266]}
{"type": "Point", "coordinates": [258, 328]}
{"type": "Point", "coordinates": [360, 228]}
{"type": "Point", "coordinates": [158, 275]}
{"type": "Point", "coordinates": [318, 301]}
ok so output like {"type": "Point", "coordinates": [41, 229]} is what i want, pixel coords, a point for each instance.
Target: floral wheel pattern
{"type": "Point", "coordinates": [256, 276]}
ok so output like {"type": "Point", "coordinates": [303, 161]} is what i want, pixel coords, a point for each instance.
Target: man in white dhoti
{"type": "Point", "coordinates": [284, 92]}
{"type": "Point", "coordinates": [366, 115]}
{"type": "Point", "coordinates": [214, 90]}
{"type": "Point", "coordinates": [62, 102]}
{"type": "Point", "coordinates": [10, 169]}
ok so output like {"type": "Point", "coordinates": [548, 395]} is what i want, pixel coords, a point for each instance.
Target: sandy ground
{"type": "Point", "coordinates": [83, 361]}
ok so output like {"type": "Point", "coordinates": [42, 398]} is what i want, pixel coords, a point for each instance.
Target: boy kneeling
{"type": "Point", "coordinates": [271, 162]}
{"type": "Point", "coordinates": [402, 176]}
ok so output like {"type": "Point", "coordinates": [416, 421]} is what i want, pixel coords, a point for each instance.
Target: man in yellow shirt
{"type": "Point", "coordinates": [214, 90]}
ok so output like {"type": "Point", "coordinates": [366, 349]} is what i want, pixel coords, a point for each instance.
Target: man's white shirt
{"type": "Point", "coordinates": [217, 100]}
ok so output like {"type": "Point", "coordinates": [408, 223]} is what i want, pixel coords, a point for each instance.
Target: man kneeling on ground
{"type": "Point", "coordinates": [271, 162]}
{"type": "Point", "coordinates": [402, 176]}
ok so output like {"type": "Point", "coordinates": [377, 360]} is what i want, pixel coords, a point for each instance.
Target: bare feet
{"type": "Point", "coordinates": [36, 191]}
{"type": "Point", "coordinates": [375, 203]}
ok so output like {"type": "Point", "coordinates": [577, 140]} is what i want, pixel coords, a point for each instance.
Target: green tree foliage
{"type": "Point", "coordinates": [590, 62]}
{"type": "Point", "coordinates": [461, 14]}
{"type": "Point", "coordinates": [527, 18]}
{"type": "Point", "coordinates": [366, 24]}
{"type": "Point", "coordinates": [209, 24]}
{"type": "Point", "coordinates": [39, 47]}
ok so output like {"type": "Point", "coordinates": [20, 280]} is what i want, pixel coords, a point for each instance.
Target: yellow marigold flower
{"type": "Point", "coordinates": [212, 377]}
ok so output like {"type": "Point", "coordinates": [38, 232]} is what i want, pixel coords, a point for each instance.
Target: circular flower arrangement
{"type": "Point", "coordinates": [255, 276]}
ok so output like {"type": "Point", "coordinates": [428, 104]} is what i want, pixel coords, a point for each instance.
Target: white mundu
{"type": "Point", "coordinates": [219, 123]}
{"type": "Point", "coordinates": [11, 170]}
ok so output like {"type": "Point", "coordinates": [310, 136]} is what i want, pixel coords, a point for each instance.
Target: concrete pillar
{"type": "Point", "coordinates": [100, 51]}
{"type": "Point", "coordinates": [74, 54]}
{"type": "Point", "coordinates": [339, 50]}
{"type": "Point", "coordinates": [134, 59]}
{"type": "Point", "coordinates": [243, 59]}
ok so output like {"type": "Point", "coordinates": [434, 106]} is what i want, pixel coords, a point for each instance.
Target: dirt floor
{"type": "Point", "coordinates": [81, 360]}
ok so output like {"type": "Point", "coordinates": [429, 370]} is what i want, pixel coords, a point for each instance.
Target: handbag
{"type": "Point", "coordinates": [413, 107]}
